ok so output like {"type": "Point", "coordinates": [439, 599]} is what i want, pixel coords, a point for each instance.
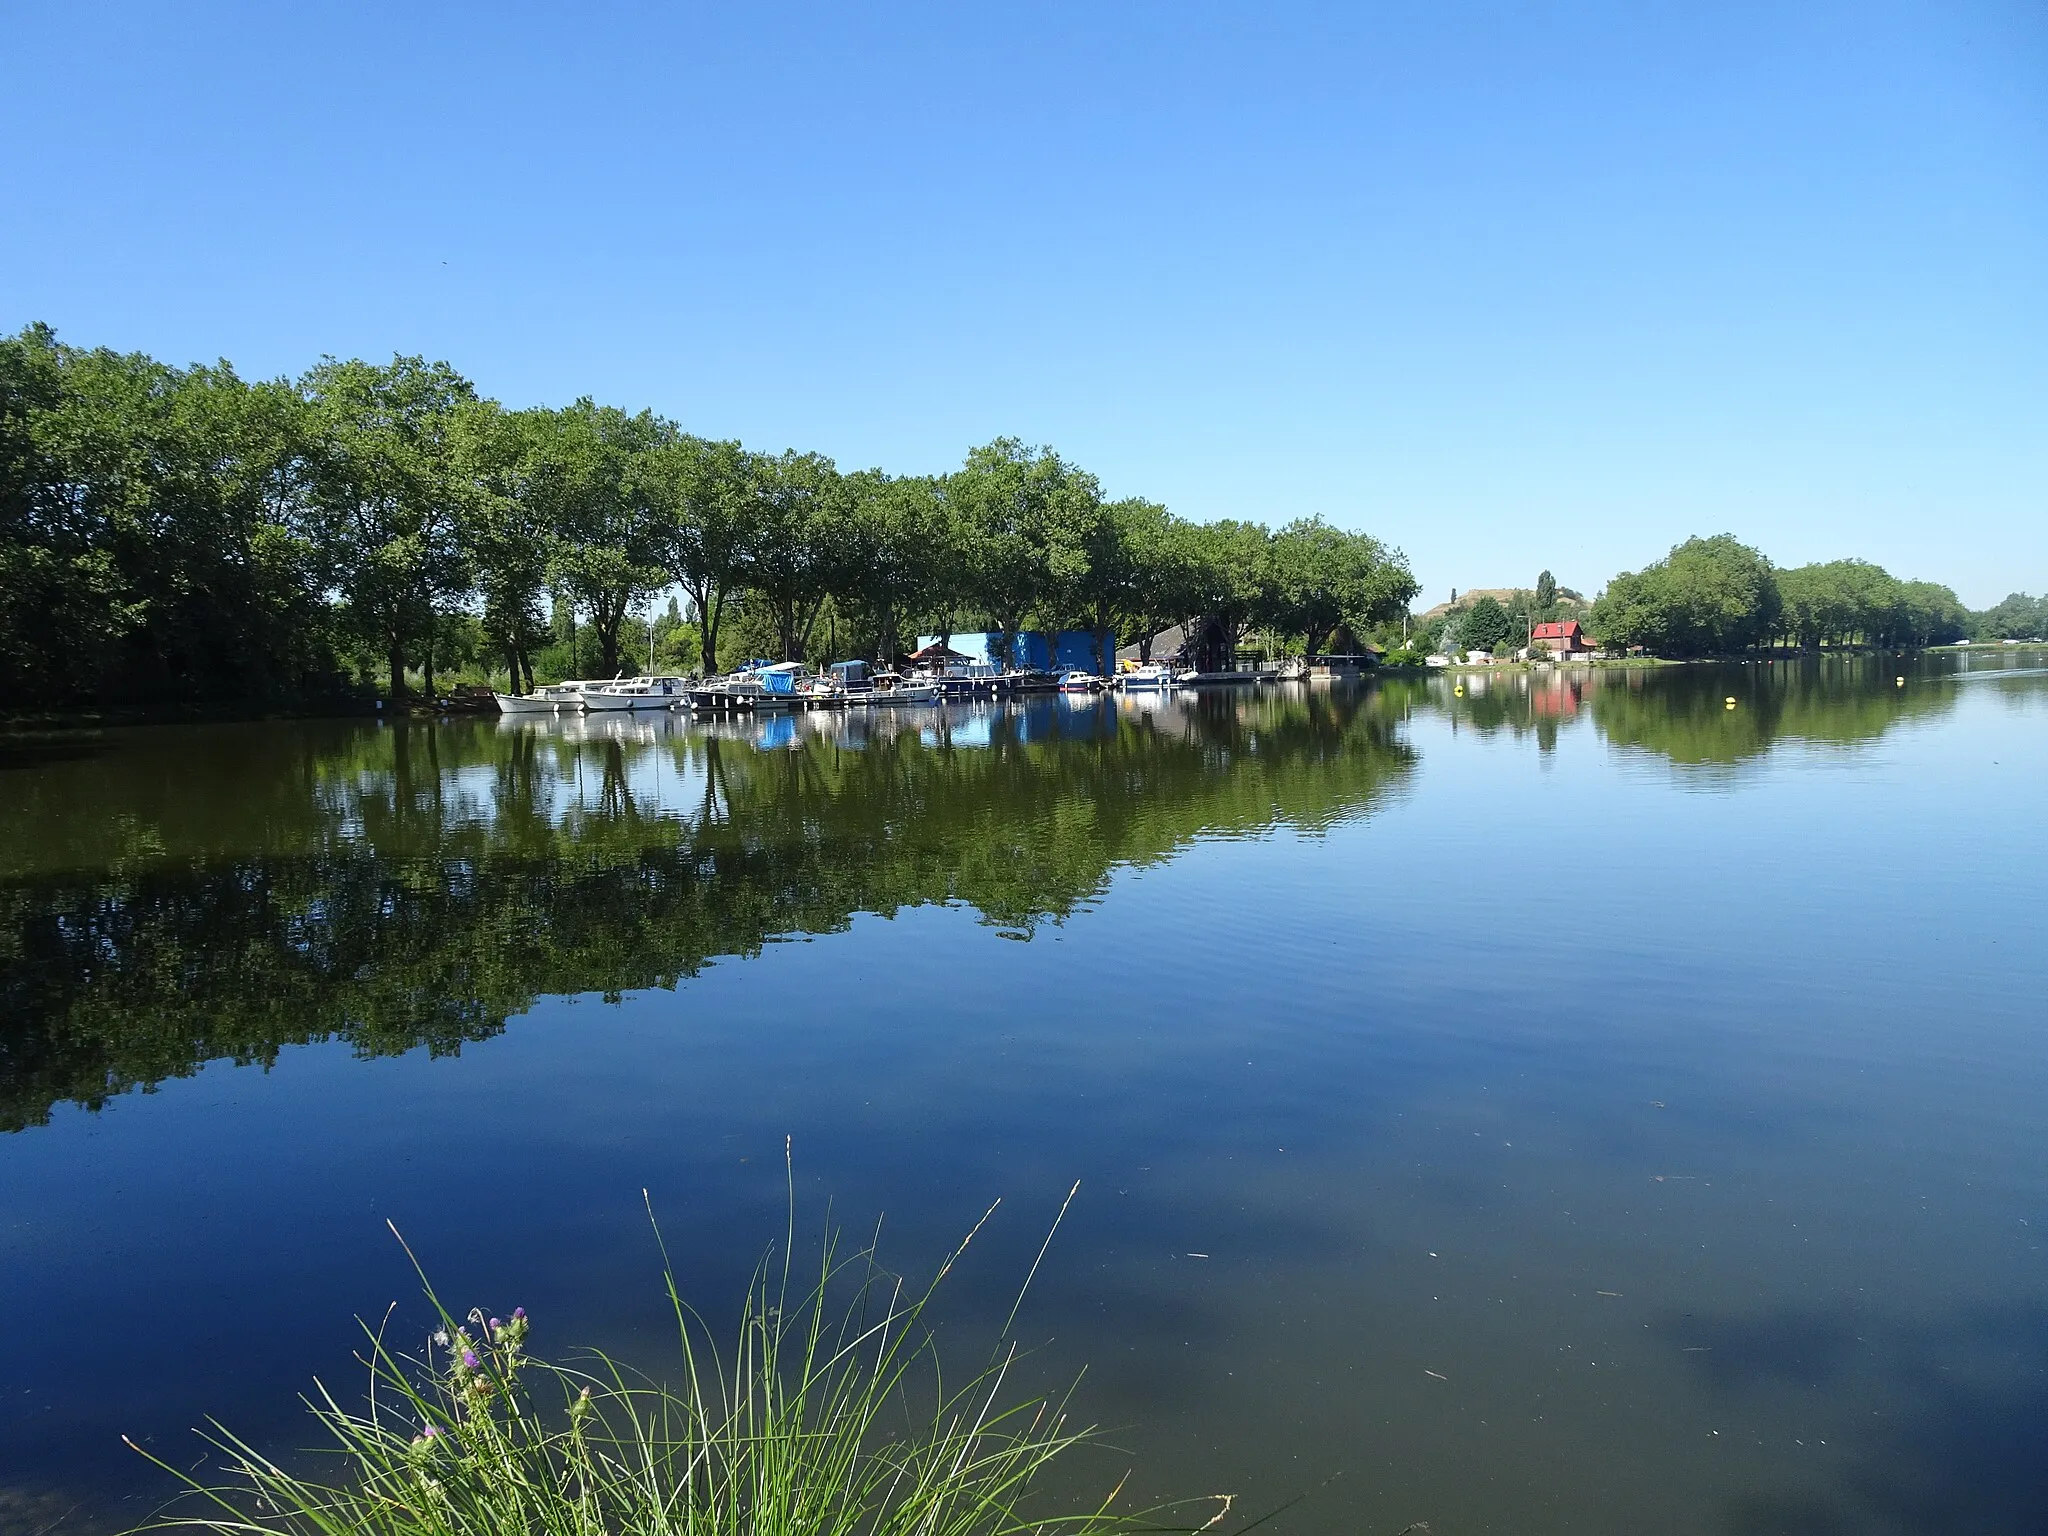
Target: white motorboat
{"type": "Point", "coordinates": [648, 692]}
{"type": "Point", "coordinates": [603, 695]}
{"type": "Point", "coordinates": [544, 700]}
{"type": "Point", "coordinates": [1150, 675]}
{"type": "Point", "coordinates": [894, 688]}
{"type": "Point", "coordinates": [523, 704]}
{"type": "Point", "coordinates": [1080, 682]}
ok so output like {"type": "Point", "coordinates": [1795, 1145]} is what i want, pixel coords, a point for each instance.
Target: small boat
{"type": "Point", "coordinates": [1080, 682]}
{"type": "Point", "coordinates": [653, 692]}
{"type": "Point", "coordinates": [894, 688]}
{"type": "Point", "coordinates": [1029, 680]}
{"type": "Point", "coordinates": [761, 685]}
{"type": "Point", "coordinates": [1148, 675]}
{"type": "Point", "coordinates": [542, 701]}
{"type": "Point", "coordinates": [598, 696]}
{"type": "Point", "coordinates": [549, 698]}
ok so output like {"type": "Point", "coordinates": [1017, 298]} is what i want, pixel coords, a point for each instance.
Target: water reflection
{"type": "Point", "coordinates": [177, 896]}
{"type": "Point", "coordinates": [209, 894]}
{"type": "Point", "coordinates": [1703, 718]}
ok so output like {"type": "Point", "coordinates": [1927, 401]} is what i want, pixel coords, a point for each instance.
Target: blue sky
{"type": "Point", "coordinates": [1511, 286]}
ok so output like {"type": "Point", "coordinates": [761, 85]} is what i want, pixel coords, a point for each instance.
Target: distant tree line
{"type": "Point", "coordinates": [1717, 596]}
{"type": "Point", "coordinates": [184, 534]}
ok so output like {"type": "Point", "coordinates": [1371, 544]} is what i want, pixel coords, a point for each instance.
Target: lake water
{"type": "Point", "coordinates": [1571, 1104]}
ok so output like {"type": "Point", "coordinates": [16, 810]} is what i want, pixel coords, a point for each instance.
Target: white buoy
{"type": "Point", "coordinates": [1900, 681]}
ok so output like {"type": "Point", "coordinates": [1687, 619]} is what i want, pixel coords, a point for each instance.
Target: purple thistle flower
{"type": "Point", "coordinates": [469, 1358]}
{"type": "Point", "coordinates": [430, 1432]}
{"type": "Point", "coordinates": [519, 1314]}
{"type": "Point", "coordinates": [496, 1324]}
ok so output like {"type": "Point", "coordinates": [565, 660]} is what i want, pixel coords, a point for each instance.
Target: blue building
{"type": "Point", "coordinates": [1070, 650]}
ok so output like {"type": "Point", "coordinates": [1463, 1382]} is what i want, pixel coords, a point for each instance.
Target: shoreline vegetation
{"type": "Point", "coordinates": [179, 541]}
{"type": "Point", "coordinates": [175, 535]}
{"type": "Point", "coordinates": [827, 1411]}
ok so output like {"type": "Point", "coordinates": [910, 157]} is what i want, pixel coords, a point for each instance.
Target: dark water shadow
{"type": "Point", "coordinates": [1959, 1402]}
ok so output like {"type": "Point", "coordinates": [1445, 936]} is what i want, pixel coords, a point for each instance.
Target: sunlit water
{"type": "Point", "coordinates": [1572, 1104]}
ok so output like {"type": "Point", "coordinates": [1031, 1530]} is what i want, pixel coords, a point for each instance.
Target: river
{"type": "Point", "coordinates": [1525, 1103]}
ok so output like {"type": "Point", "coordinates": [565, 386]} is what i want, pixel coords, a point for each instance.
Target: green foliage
{"type": "Point", "coordinates": [1546, 592]}
{"type": "Point", "coordinates": [1712, 596]}
{"type": "Point", "coordinates": [153, 532]}
{"type": "Point", "coordinates": [2018, 617]}
{"type": "Point", "coordinates": [1715, 596]}
{"type": "Point", "coordinates": [1321, 577]}
{"type": "Point", "coordinates": [828, 1413]}
{"type": "Point", "coordinates": [383, 450]}
{"type": "Point", "coordinates": [1846, 601]}
{"type": "Point", "coordinates": [1484, 626]}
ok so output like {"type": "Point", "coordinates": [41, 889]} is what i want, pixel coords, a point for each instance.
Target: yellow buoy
{"type": "Point", "coordinates": [1731, 701]}
{"type": "Point", "coordinates": [1900, 681]}
{"type": "Point", "coordinates": [1459, 690]}
{"type": "Point", "coordinates": [1729, 705]}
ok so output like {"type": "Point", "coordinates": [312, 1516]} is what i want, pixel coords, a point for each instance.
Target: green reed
{"type": "Point", "coordinates": [829, 1415]}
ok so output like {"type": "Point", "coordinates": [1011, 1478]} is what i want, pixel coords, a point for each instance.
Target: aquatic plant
{"type": "Point", "coordinates": [829, 1415]}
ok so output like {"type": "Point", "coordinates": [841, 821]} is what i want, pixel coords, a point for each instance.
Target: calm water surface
{"type": "Point", "coordinates": [1568, 1105]}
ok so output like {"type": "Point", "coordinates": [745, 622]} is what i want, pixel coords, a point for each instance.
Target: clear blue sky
{"type": "Point", "coordinates": [1512, 285]}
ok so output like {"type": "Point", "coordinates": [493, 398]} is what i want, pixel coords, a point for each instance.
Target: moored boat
{"type": "Point", "coordinates": [546, 699]}
{"type": "Point", "coordinates": [760, 685]}
{"type": "Point", "coordinates": [1144, 675]}
{"type": "Point", "coordinates": [894, 688]}
{"type": "Point", "coordinates": [526, 703]}
{"type": "Point", "coordinates": [1080, 682]}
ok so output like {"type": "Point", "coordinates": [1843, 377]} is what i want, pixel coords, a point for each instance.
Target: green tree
{"type": "Point", "coordinates": [1546, 593]}
{"type": "Point", "coordinates": [587, 475]}
{"type": "Point", "coordinates": [1322, 577]}
{"type": "Point", "coordinates": [892, 531]}
{"type": "Point", "coordinates": [701, 491]}
{"type": "Point", "coordinates": [1166, 570]}
{"type": "Point", "coordinates": [2017, 617]}
{"type": "Point", "coordinates": [1015, 527]}
{"type": "Point", "coordinates": [1707, 597]}
{"type": "Point", "coordinates": [1485, 626]}
{"type": "Point", "coordinates": [387, 498]}
{"type": "Point", "coordinates": [797, 548]}
{"type": "Point", "coordinates": [1231, 574]}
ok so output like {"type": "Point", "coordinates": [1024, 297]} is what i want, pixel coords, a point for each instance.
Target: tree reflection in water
{"type": "Point", "coordinates": [173, 897]}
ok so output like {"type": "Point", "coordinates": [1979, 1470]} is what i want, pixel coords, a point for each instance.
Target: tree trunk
{"type": "Point", "coordinates": [707, 624]}
{"type": "Point", "coordinates": [608, 640]}
{"type": "Point", "coordinates": [395, 658]}
{"type": "Point", "coordinates": [427, 670]}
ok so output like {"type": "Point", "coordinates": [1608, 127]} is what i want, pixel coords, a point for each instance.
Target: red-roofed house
{"type": "Point", "coordinates": [1563, 636]}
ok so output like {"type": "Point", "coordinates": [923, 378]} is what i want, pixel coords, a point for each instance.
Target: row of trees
{"type": "Point", "coordinates": [184, 533]}
{"type": "Point", "coordinates": [1717, 596]}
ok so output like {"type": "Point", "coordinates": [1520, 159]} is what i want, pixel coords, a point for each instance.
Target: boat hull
{"type": "Point", "coordinates": [523, 704]}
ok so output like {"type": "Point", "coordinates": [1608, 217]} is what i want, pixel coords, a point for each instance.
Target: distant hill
{"type": "Point", "coordinates": [1467, 596]}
